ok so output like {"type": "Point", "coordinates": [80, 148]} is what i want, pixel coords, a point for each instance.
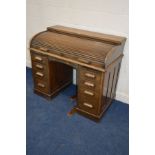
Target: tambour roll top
{"type": "Point", "coordinates": [91, 48]}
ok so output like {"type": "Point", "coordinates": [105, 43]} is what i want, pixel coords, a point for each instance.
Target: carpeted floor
{"type": "Point", "coordinates": [51, 132]}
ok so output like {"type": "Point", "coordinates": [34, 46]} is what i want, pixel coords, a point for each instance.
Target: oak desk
{"type": "Point", "coordinates": [96, 57]}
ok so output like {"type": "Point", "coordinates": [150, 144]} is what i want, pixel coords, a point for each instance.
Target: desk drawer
{"type": "Point", "coordinates": [41, 85]}
{"type": "Point", "coordinates": [39, 58]}
{"type": "Point", "coordinates": [90, 74]}
{"type": "Point", "coordinates": [88, 104]}
{"type": "Point", "coordinates": [40, 75]}
{"type": "Point", "coordinates": [90, 85]}
{"type": "Point", "coordinates": [88, 93]}
{"type": "Point", "coordinates": [38, 66]}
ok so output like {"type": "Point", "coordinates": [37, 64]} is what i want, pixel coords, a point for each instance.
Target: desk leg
{"type": "Point", "coordinates": [74, 97]}
{"type": "Point", "coordinates": [72, 112]}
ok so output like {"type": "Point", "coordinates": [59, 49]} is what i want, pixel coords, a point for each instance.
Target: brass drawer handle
{"type": "Point", "coordinates": [89, 93]}
{"type": "Point", "coordinates": [39, 66]}
{"type": "Point", "coordinates": [40, 74]}
{"type": "Point", "coordinates": [90, 75]}
{"type": "Point", "coordinates": [41, 85]}
{"type": "Point", "coordinates": [88, 105]}
{"type": "Point", "coordinates": [89, 84]}
{"type": "Point", "coordinates": [38, 58]}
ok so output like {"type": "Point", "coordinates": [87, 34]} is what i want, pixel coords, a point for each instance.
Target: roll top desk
{"type": "Point", "coordinates": [96, 57]}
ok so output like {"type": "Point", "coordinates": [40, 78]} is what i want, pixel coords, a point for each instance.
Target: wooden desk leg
{"type": "Point", "coordinates": [74, 97]}
{"type": "Point", "coordinates": [72, 112]}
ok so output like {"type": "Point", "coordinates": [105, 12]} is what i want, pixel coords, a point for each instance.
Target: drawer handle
{"type": "Point", "coordinates": [89, 93]}
{"type": "Point", "coordinates": [88, 105]}
{"type": "Point", "coordinates": [38, 58]}
{"type": "Point", "coordinates": [89, 84]}
{"type": "Point", "coordinates": [90, 75]}
{"type": "Point", "coordinates": [40, 74]}
{"type": "Point", "coordinates": [41, 85]}
{"type": "Point", "coordinates": [39, 66]}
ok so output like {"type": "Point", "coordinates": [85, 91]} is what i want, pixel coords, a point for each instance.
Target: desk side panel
{"type": "Point", "coordinates": [110, 84]}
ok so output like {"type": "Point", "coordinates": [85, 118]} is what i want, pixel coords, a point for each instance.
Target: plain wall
{"type": "Point", "coordinates": [106, 16]}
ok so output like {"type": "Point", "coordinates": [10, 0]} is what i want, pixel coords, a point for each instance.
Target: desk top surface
{"type": "Point", "coordinates": [89, 47]}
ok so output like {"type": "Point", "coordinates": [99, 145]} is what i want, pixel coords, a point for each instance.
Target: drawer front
{"type": "Point", "coordinates": [40, 75]}
{"type": "Point", "coordinates": [41, 85]}
{"type": "Point", "coordinates": [88, 105]}
{"type": "Point", "coordinates": [89, 85]}
{"type": "Point", "coordinates": [39, 58]}
{"type": "Point", "coordinates": [38, 66]}
{"type": "Point", "coordinates": [90, 74]}
{"type": "Point", "coordinates": [88, 94]}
